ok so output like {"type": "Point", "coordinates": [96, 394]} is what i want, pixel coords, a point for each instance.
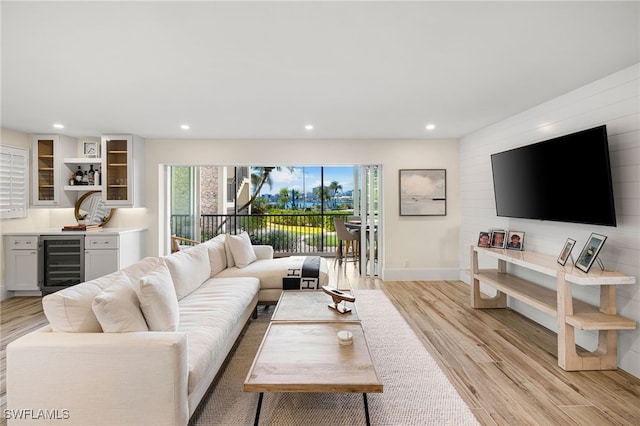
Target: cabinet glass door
{"type": "Point", "coordinates": [116, 165]}
{"type": "Point", "coordinates": [46, 170]}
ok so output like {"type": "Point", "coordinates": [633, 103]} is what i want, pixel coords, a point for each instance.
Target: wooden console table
{"type": "Point", "coordinates": [570, 313]}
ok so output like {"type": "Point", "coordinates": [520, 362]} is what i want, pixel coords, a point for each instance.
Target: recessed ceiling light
{"type": "Point", "coordinates": [58, 126]}
{"type": "Point", "coordinates": [309, 127]}
{"type": "Point", "coordinates": [185, 127]}
{"type": "Point", "coordinates": [430, 126]}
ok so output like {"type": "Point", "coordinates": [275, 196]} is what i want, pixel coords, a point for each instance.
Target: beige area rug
{"type": "Point", "coordinates": [416, 391]}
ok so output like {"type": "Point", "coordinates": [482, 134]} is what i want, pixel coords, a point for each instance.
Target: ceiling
{"type": "Point", "coordinates": [246, 70]}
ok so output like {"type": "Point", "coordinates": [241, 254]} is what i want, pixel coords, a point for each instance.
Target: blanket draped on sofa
{"type": "Point", "coordinates": [302, 273]}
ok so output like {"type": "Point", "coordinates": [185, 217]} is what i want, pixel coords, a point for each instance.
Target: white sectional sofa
{"type": "Point", "coordinates": [142, 345]}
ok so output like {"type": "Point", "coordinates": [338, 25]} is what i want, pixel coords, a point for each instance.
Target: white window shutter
{"type": "Point", "coordinates": [14, 182]}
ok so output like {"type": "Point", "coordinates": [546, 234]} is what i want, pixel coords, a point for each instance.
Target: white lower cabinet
{"type": "Point", "coordinates": [101, 256]}
{"type": "Point", "coordinates": [104, 252]}
{"type": "Point", "coordinates": [21, 263]}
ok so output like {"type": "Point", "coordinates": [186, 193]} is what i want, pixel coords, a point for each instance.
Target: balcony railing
{"type": "Point", "coordinates": [309, 234]}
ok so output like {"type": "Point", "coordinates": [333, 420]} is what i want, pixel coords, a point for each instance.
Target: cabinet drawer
{"type": "Point", "coordinates": [23, 243]}
{"type": "Point", "coordinates": [92, 242]}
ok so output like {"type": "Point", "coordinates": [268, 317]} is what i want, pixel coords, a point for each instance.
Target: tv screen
{"type": "Point", "coordinates": [565, 179]}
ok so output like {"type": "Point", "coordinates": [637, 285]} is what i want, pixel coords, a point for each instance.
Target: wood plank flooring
{"type": "Point", "coordinates": [503, 365]}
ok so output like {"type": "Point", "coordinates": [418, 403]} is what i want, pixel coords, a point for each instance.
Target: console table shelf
{"type": "Point", "coordinates": [558, 303]}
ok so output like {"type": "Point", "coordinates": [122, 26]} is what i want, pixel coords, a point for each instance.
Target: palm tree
{"type": "Point", "coordinates": [283, 197]}
{"type": "Point", "coordinates": [260, 176]}
{"type": "Point", "coordinates": [333, 188]}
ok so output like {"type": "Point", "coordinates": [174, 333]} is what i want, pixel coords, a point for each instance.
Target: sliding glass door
{"type": "Point", "coordinates": [289, 207]}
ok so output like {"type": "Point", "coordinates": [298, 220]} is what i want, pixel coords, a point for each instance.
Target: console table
{"type": "Point", "coordinates": [570, 313]}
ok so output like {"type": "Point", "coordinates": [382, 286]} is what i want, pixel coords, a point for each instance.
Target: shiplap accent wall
{"type": "Point", "coordinates": [614, 101]}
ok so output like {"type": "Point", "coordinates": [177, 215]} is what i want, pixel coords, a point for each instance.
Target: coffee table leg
{"type": "Point", "coordinates": [255, 423]}
{"type": "Point", "coordinates": [366, 409]}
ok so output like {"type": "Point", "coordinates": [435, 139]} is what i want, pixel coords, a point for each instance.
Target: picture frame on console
{"type": "Point", "coordinates": [589, 253]}
{"type": "Point", "coordinates": [498, 239]}
{"type": "Point", "coordinates": [515, 241]}
{"type": "Point", "coordinates": [484, 239]}
{"type": "Point", "coordinates": [566, 251]}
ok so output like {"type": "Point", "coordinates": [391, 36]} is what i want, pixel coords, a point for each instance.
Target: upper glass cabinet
{"type": "Point", "coordinates": [123, 180]}
{"type": "Point", "coordinates": [48, 152]}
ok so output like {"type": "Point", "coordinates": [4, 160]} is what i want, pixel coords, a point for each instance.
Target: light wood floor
{"type": "Point", "coordinates": [503, 365]}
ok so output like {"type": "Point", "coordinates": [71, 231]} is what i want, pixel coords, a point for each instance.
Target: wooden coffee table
{"type": "Point", "coordinates": [305, 305]}
{"type": "Point", "coordinates": [305, 356]}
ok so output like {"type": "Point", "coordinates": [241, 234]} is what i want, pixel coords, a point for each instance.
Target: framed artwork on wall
{"type": "Point", "coordinates": [423, 192]}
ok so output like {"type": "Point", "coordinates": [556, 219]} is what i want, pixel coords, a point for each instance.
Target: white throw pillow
{"type": "Point", "coordinates": [69, 310]}
{"type": "Point", "coordinates": [189, 269]}
{"type": "Point", "coordinates": [118, 310]}
{"type": "Point", "coordinates": [217, 256]}
{"type": "Point", "coordinates": [158, 300]}
{"type": "Point", "coordinates": [241, 249]}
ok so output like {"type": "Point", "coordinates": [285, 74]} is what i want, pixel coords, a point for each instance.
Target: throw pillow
{"type": "Point", "coordinates": [118, 310]}
{"type": "Point", "coordinates": [189, 269]}
{"type": "Point", "coordinates": [158, 300]}
{"type": "Point", "coordinates": [217, 256]}
{"type": "Point", "coordinates": [69, 310]}
{"type": "Point", "coordinates": [241, 249]}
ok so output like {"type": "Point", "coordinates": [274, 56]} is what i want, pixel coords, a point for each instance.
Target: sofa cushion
{"type": "Point", "coordinates": [189, 269]}
{"type": "Point", "coordinates": [217, 255]}
{"type": "Point", "coordinates": [158, 301]}
{"type": "Point", "coordinates": [211, 316]}
{"type": "Point", "coordinates": [118, 309]}
{"type": "Point", "coordinates": [241, 249]}
{"type": "Point", "coordinates": [271, 271]}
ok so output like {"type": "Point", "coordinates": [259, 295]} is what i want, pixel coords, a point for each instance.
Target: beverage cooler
{"type": "Point", "coordinates": [61, 263]}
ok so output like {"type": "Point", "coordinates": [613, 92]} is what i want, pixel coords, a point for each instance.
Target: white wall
{"type": "Point", "coordinates": [613, 101]}
{"type": "Point", "coordinates": [428, 243]}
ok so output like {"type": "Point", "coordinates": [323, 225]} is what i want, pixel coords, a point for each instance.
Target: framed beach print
{"type": "Point", "coordinates": [515, 240]}
{"type": "Point", "coordinates": [497, 239]}
{"type": "Point", "coordinates": [566, 251]}
{"type": "Point", "coordinates": [423, 192]}
{"type": "Point", "coordinates": [590, 251]}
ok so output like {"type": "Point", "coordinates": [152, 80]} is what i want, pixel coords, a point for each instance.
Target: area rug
{"type": "Point", "coordinates": [416, 391]}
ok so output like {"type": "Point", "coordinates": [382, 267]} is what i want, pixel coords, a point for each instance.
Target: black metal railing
{"type": "Point", "coordinates": [286, 233]}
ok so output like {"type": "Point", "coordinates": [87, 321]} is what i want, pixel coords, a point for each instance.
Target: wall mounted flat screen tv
{"type": "Point", "coordinates": [565, 179]}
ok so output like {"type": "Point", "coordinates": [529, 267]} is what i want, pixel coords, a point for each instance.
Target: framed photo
{"type": "Point", "coordinates": [90, 149]}
{"type": "Point", "coordinates": [566, 251]}
{"type": "Point", "coordinates": [590, 251]}
{"type": "Point", "coordinates": [497, 239]}
{"type": "Point", "coordinates": [423, 192]}
{"type": "Point", "coordinates": [484, 239]}
{"type": "Point", "coordinates": [515, 241]}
